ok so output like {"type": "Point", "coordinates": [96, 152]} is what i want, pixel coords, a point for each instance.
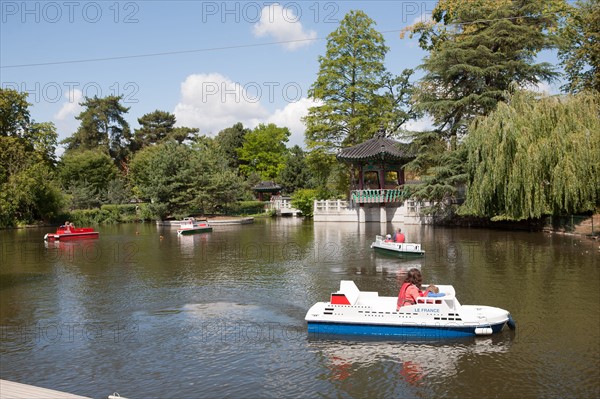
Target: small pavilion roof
{"type": "Point", "coordinates": [378, 148]}
{"type": "Point", "coordinates": [267, 186]}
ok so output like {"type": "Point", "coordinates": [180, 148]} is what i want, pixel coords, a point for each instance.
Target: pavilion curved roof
{"type": "Point", "coordinates": [267, 186]}
{"type": "Point", "coordinates": [378, 148]}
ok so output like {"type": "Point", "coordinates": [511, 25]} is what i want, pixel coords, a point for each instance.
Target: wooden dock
{"type": "Point", "coordinates": [15, 390]}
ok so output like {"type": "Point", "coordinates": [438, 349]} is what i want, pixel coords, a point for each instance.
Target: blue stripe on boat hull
{"type": "Point", "coordinates": [323, 329]}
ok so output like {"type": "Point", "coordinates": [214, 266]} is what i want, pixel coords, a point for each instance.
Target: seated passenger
{"type": "Point", "coordinates": [411, 289]}
{"type": "Point", "coordinates": [388, 238]}
{"type": "Point", "coordinates": [399, 237]}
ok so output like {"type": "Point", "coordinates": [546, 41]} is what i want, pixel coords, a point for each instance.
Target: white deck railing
{"type": "Point", "coordinates": [326, 206]}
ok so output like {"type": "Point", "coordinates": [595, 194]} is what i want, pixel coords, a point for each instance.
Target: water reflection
{"type": "Point", "coordinates": [413, 361]}
{"type": "Point", "coordinates": [154, 317]}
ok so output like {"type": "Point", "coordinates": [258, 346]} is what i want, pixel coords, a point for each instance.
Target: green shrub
{"type": "Point", "coordinates": [304, 199]}
{"type": "Point", "coordinates": [246, 208]}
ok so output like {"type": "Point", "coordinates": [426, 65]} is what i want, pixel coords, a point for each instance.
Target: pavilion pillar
{"type": "Point", "coordinates": [361, 214]}
{"type": "Point", "coordinates": [382, 214]}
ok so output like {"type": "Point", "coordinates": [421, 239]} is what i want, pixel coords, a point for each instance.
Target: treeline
{"type": "Point", "coordinates": [168, 170]}
{"type": "Point", "coordinates": [508, 153]}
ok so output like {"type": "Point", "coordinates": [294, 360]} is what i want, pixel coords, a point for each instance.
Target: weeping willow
{"type": "Point", "coordinates": [535, 156]}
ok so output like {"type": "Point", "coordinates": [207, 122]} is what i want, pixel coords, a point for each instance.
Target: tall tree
{"type": "Point", "coordinates": [14, 113]}
{"type": "Point", "coordinates": [579, 51]}
{"type": "Point", "coordinates": [86, 176]}
{"type": "Point", "coordinates": [159, 126]}
{"type": "Point", "coordinates": [534, 157]}
{"type": "Point", "coordinates": [154, 127]}
{"type": "Point", "coordinates": [295, 174]}
{"type": "Point", "coordinates": [28, 190]}
{"type": "Point", "coordinates": [102, 126]}
{"type": "Point", "coordinates": [264, 151]}
{"type": "Point", "coordinates": [231, 139]}
{"type": "Point", "coordinates": [165, 174]}
{"type": "Point", "coordinates": [15, 121]}
{"type": "Point", "coordinates": [478, 50]}
{"type": "Point", "coordinates": [358, 96]}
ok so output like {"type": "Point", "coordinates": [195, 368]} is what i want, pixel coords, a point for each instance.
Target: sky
{"type": "Point", "coordinates": [211, 63]}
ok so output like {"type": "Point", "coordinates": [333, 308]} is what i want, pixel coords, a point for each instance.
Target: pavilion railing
{"type": "Point", "coordinates": [378, 196]}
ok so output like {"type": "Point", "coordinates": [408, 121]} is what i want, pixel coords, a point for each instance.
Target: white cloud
{"type": "Point", "coordinates": [542, 88]}
{"type": "Point", "coordinates": [284, 26]}
{"type": "Point", "coordinates": [420, 125]}
{"type": "Point", "coordinates": [71, 107]}
{"type": "Point", "coordinates": [291, 117]}
{"type": "Point", "coordinates": [213, 102]}
{"type": "Point", "coordinates": [64, 118]}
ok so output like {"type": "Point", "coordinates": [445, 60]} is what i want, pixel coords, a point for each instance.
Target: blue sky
{"type": "Point", "coordinates": [211, 63]}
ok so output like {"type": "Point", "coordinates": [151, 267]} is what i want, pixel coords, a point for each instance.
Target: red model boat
{"type": "Point", "coordinates": [69, 233]}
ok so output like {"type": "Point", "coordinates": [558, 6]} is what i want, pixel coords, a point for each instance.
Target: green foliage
{"type": "Point", "coordinates": [295, 173]}
{"type": "Point", "coordinates": [358, 96]}
{"type": "Point", "coordinates": [154, 127]}
{"type": "Point", "coordinates": [231, 140]}
{"type": "Point", "coordinates": [29, 195]}
{"type": "Point", "coordinates": [87, 176]}
{"type": "Point", "coordinates": [28, 188]}
{"type": "Point", "coordinates": [264, 151]}
{"type": "Point", "coordinates": [535, 157]}
{"type": "Point", "coordinates": [14, 113]}
{"type": "Point", "coordinates": [15, 121]}
{"type": "Point", "coordinates": [180, 180]}
{"type": "Point", "coordinates": [166, 174]}
{"type": "Point", "coordinates": [118, 191]}
{"type": "Point", "coordinates": [103, 126]}
{"type": "Point", "coordinates": [579, 51]}
{"type": "Point", "coordinates": [157, 127]}
{"type": "Point", "coordinates": [303, 200]}
{"type": "Point", "coordinates": [479, 49]}
{"type": "Point", "coordinates": [246, 208]}
{"type": "Point", "coordinates": [109, 214]}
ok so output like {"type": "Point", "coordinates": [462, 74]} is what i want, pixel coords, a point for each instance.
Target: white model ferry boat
{"type": "Point", "coordinates": [401, 248]}
{"type": "Point", "coordinates": [352, 312]}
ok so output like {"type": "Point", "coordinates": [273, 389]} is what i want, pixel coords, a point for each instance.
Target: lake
{"type": "Point", "coordinates": [145, 313]}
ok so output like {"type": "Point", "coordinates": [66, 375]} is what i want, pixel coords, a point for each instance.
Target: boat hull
{"type": "Point", "coordinates": [323, 329]}
{"type": "Point", "coordinates": [185, 232]}
{"type": "Point", "coordinates": [398, 251]}
{"type": "Point", "coordinates": [405, 248]}
{"type": "Point", "coordinates": [75, 234]}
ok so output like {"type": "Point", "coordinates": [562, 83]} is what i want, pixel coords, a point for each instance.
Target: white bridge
{"type": "Point", "coordinates": [283, 206]}
{"type": "Point", "coordinates": [406, 212]}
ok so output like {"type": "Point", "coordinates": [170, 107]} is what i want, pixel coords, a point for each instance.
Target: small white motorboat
{"type": "Point", "coordinates": [396, 247]}
{"type": "Point", "coordinates": [352, 312]}
{"type": "Point", "coordinates": [193, 226]}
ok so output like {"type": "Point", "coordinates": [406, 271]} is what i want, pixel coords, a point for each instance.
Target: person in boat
{"type": "Point", "coordinates": [399, 236]}
{"type": "Point", "coordinates": [411, 289]}
{"type": "Point", "coordinates": [388, 238]}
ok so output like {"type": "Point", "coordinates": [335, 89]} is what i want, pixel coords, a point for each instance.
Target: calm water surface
{"type": "Point", "coordinates": [222, 314]}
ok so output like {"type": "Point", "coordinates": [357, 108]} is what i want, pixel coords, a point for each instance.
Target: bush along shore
{"type": "Point", "coordinates": [137, 213]}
